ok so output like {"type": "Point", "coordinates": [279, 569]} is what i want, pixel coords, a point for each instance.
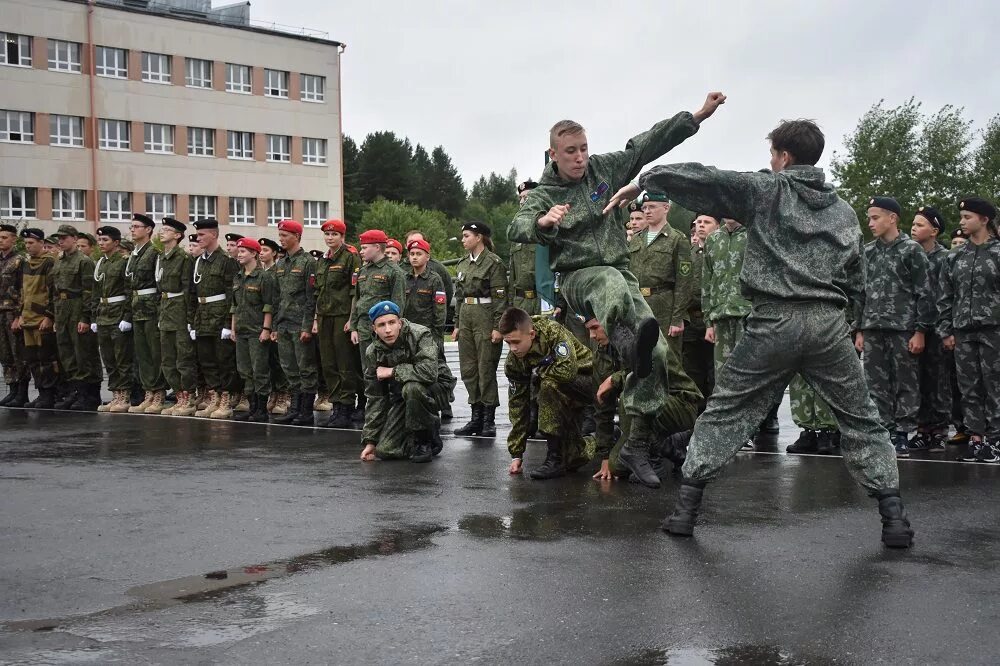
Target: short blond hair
{"type": "Point", "coordinates": [562, 128]}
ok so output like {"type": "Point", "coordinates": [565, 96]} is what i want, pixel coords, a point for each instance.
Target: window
{"type": "Point", "coordinates": [113, 134]}
{"type": "Point", "coordinates": [68, 204]}
{"type": "Point", "coordinates": [201, 141]}
{"type": "Point", "coordinates": [241, 210]}
{"type": "Point", "coordinates": [314, 151]}
{"type": "Point", "coordinates": [16, 50]}
{"type": "Point", "coordinates": [238, 79]}
{"type": "Point", "coordinates": [17, 126]}
{"type": "Point", "coordinates": [275, 83]}
{"type": "Point", "coordinates": [116, 206]}
{"type": "Point", "coordinates": [156, 67]}
{"type": "Point", "coordinates": [279, 148]}
{"type": "Point", "coordinates": [200, 207]}
{"type": "Point", "coordinates": [159, 138]}
{"type": "Point", "coordinates": [64, 56]}
{"type": "Point", "coordinates": [159, 206]}
{"type": "Point", "coordinates": [111, 62]}
{"type": "Point", "coordinates": [17, 202]}
{"type": "Point", "coordinates": [240, 145]}
{"type": "Point", "coordinates": [315, 213]}
{"type": "Point", "coordinates": [313, 88]}
{"type": "Point", "coordinates": [199, 73]}
{"type": "Point", "coordinates": [278, 210]}
{"type": "Point", "coordinates": [66, 131]}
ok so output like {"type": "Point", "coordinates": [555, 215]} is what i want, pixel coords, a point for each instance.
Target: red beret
{"type": "Point", "coordinates": [249, 244]}
{"type": "Point", "coordinates": [334, 225]}
{"type": "Point", "coordinates": [420, 244]}
{"type": "Point", "coordinates": [373, 236]}
{"type": "Point", "coordinates": [392, 242]}
{"type": "Point", "coordinates": [291, 226]}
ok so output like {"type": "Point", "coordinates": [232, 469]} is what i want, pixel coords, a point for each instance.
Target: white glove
{"type": "Point", "coordinates": [93, 328]}
{"type": "Point", "coordinates": [194, 333]}
{"type": "Point", "coordinates": [226, 333]}
{"type": "Point", "coordinates": [125, 326]}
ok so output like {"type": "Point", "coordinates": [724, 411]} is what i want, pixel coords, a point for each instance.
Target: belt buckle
{"type": "Point", "coordinates": [62, 296]}
{"type": "Point", "coordinates": [646, 291]}
{"type": "Point", "coordinates": [470, 299]}
{"type": "Point", "coordinates": [530, 293]}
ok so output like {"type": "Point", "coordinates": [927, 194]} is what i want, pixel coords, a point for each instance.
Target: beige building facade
{"type": "Point", "coordinates": [168, 108]}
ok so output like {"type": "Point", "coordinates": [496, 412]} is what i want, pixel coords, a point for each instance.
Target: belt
{"type": "Point", "coordinates": [212, 299]}
{"type": "Point", "coordinates": [649, 291]}
{"type": "Point", "coordinates": [146, 292]}
{"type": "Point", "coordinates": [66, 296]}
{"type": "Point", "coordinates": [481, 301]}
{"type": "Point", "coordinates": [530, 294]}
{"type": "Point", "coordinates": [171, 294]}
{"type": "Point", "coordinates": [113, 299]}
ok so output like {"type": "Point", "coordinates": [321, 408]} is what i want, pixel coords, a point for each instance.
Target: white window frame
{"type": "Point", "coordinates": [158, 138]}
{"type": "Point", "coordinates": [74, 207]}
{"type": "Point", "coordinates": [313, 157]}
{"type": "Point", "coordinates": [159, 206]}
{"type": "Point", "coordinates": [111, 62]}
{"type": "Point", "coordinates": [276, 83]}
{"type": "Point", "coordinates": [313, 88]}
{"type": "Point", "coordinates": [278, 210]}
{"type": "Point", "coordinates": [104, 139]}
{"type": "Point", "coordinates": [156, 67]}
{"type": "Point", "coordinates": [243, 151]}
{"type": "Point", "coordinates": [315, 213]}
{"type": "Point", "coordinates": [242, 211]}
{"type": "Point", "coordinates": [64, 56]}
{"type": "Point", "coordinates": [279, 148]}
{"type": "Point", "coordinates": [19, 124]}
{"type": "Point", "coordinates": [66, 131]}
{"type": "Point", "coordinates": [115, 206]}
{"type": "Point", "coordinates": [244, 84]}
{"type": "Point", "coordinates": [201, 142]}
{"type": "Point", "coordinates": [25, 206]}
{"type": "Point", "coordinates": [202, 206]}
{"type": "Point", "coordinates": [198, 73]}
{"type": "Point", "coordinates": [23, 55]}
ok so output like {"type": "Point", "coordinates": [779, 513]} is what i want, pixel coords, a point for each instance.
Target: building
{"type": "Point", "coordinates": [169, 108]}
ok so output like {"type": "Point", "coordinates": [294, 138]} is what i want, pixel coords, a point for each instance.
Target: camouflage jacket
{"type": "Point", "coordinates": [521, 273]}
{"type": "Point", "coordinates": [663, 269]}
{"type": "Point", "coordinates": [37, 290]}
{"type": "Point", "coordinates": [442, 272]}
{"type": "Point", "coordinates": [557, 357]}
{"type": "Point", "coordinates": [11, 266]}
{"type": "Point", "coordinates": [721, 293]}
{"type": "Point", "coordinates": [381, 280]}
{"type": "Point", "coordinates": [211, 277]}
{"type": "Point", "coordinates": [970, 298]}
{"type": "Point", "coordinates": [254, 296]}
{"type": "Point", "coordinates": [425, 301]}
{"type": "Point", "coordinates": [110, 284]}
{"type": "Point", "coordinates": [73, 276]}
{"type": "Point", "coordinates": [335, 279]}
{"type": "Point", "coordinates": [586, 237]}
{"type": "Point", "coordinates": [140, 269]}
{"type": "Point", "coordinates": [939, 265]}
{"type": "Point", "coordinates": [897, 294]}
{"type": "Point", "coordinates": [296, 301]}
{"type": "Point", "coordinates": [173, 279]}
{"type": "Point", "coordinates": [694, 313]}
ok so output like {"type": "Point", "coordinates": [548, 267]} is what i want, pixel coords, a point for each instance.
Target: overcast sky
{"type": "Point", "coordinates": [487, 79]}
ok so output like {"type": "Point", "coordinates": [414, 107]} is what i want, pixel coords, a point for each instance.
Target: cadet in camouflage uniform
{"type": "Point", "coordinates": [698, 353]}
{"type": "Point", "coordinates": [407, 382]}
{"type": "Point", "coordinates": [36, 318]}
{"type": "Point", "coordinates": [660, 258]}
{"type": "Point", "coordinates": [722, 302]}
{"type": "Point", "coordinates": [442, 272]}
{"type": "Point", "coordinates": [112, 309]}
{"type": "Point", "coordinates": [78, 355]}
{"type": "Point", "coordinates": [140, 270]}
{"type": "Point", "coordinates": [425, 295]}
{"type": "Point", "coordinates": [255, 293]}
{"type": "Point", "coordinates": [280, 399]}
{"type": "Point", "coordinates": [589, 251]}
{"type": "Point", "coordinates": [813, 416]}
{"type": "Point", "coordinates": [15, 374]}
{"type": "Point", "coordinates": [177, 355]}
{"type": "Point", "coordinates": [293, 323]}
{"type": "Point", "coordinates": [521, 272]}
{"type": "Point", "coordinates": [481, 297]}
{"type": "Point", "coordinates": [897, 312]}
{"type": "Point", "coordinates": [802, 266]}
{"type": "Point", "coordinates": [542, 350]}
{"type": "Point", "coordinates": [970, 324]}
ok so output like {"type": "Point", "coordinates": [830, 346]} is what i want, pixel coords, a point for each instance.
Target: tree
{"type": "Point", "coordinates": [385, 167]}
{"type": "Point", "coordinates": [354, 203]}
{"type": "Point", "coordinates": [395, 219]}
{"type": "Point", "coordinates": [986, 163]}
{"type": "Point", "coordinates": [422, 167]}
{"type": "Point", "coordinates": [945, 172]}
{"type": "Point", "coordinates": [443, 188]}
{"type": "Point", "coordinates": [498, 218]}
{"type": "Point", "coordinates": [496, 189]}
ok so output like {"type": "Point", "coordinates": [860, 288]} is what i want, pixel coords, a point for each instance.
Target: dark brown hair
{"type": "Point", "coordinates": [802, 138]}
{"type": "Point", "coordinates": [513, 319]}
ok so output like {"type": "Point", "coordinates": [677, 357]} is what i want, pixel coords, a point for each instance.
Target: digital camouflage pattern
{"type": "Point", "coordinates": [177, 355]}
{"type": "Point", "coordinates": [212, 275]}
{"type": "Point", "coordinates": [809, 412]}
{"type": "Point", "coordinates": [11, 341]}
{"type": "Point", "coordinates": [478, 356]}
{"type": "Point", "coordinates": [295, 308]}
{"type": "Point", "coordinates": [116, 347]}
{"type": "Point", "coordinates": [521, 282]}
{"type": "Point", "coordinates": [73, 276]}
{"type": "Point", "coordinates": [897, 295]}
{"type": "Point", "coordinates": [140, 270]}
{"type": "Point", "coordinates": [380, 280]}
{"type": "Point", "coordinates": [336, 274]}
{"type": "Point", "coordinates": [663, 268]}
{"type": "Point", "coordinates": [721, 294]}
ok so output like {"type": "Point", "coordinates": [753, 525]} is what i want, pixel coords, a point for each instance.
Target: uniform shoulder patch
{"type": "Point", "coordinates": [562, 349]}
{"type": "Point", "coordinates": [684, 268]}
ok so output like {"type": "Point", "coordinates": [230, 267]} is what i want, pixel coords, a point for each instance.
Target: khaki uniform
{"type": "Point", "coordinates": [253, 297]}
{"type": "Point", "coordinates": [37, 301]}
{"type": "Point", "coordinates": [73, 276]}
{"type": "Point", "coordinates": [481, 297]}
{"type": "Point", "coordinates": [140, 270]}
{"type": "Point", "coordinates": [11, 342]}
{"type": "Point", "coordinates": [177, 354]}
{"type": "Point", "coordinates": [212, 287]}
{"type": "Point", "coordinates": [112, 305]}
{"type": "Point", "coordinates": [336, 276]}
{"type": "Point", "coordinates": [663, 268]}
{"type": "Point", "coordinates": [521, 283]}
{"type": "Point", "coordinates": [380, 280]}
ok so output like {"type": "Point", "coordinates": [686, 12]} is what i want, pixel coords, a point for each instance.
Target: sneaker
{"type": "Point", "coordinates": [935, 442]}
{"type": "Point", "coordinates": [747, 445]}
{"type": "Point", "coordinates": [919, 442]}
{"type": "Point", "coordinates": [973, 452]}
{"type": "Point", "coordinates": [900, 444]}
{"type": "Point", "coordinates": [989, 452]}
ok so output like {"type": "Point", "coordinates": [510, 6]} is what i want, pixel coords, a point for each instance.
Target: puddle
{"type": "Point", "coordinates": [742, 655]}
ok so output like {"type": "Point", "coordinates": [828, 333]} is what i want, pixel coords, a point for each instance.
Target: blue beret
{"type": "Point", "coordinates": [383, 308]}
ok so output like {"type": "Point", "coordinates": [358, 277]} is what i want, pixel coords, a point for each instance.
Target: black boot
{"type": "Point", "coordinates": [554, 465]}
{"type": "Point", "coordinates": [475, 424]}
{"type": "Point", "coordinates": [11, 394]}
{"type": "Point", "coordinates": [358, 415]}
{"type": "Point", "coordinates": [88, 398]}
{"type": "Point", "coordinates": [826, 443]}
{"type": "Point", "coordinates": [69, 395]}
{"type": "Point", "coordinates": [340, 417]}
{"type": "Point", "coordinates": [436, 443]}
{"type": "Point", "coordinates": [258, 410]}
{"type": "Point", "coordinates": [635, 348]}
{"type": "Point", "coordinates": [681, 521]}
{"type": "Point", "coordinates": [245, 416]}
{"type": "Point", "coordinates": [293, 411]}
{"type": "Point", "coordinates": [896, 531]}
{"type": "Point", "coordinates": [489, 423]}
{"type": "Point", "coordinates": [770, 425]}
{"type": "Point", "coordinates": [588, 426]}
{"type": "Point", "coordinates": [674, 448]}
{"type": "Point", "coordinates": [20, 391]}
{"type": "Point", "coordinates": [806, 443]}
{"type": "Point", "coordinates": [635, 456]}
{"type": "Point", "coordinates": [46, 399]}
{"type": "Point", "coordinates": [306, 417]}
{"type": "Point", "coordinates": [446, 414]}
{"type": "Point", "coordinates": [420, 451]}
{"type": "Point", "coordinates": [533, 419]}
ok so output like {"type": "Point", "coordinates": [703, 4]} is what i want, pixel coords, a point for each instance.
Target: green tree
{"type": "Point", "coordinates": [385, 167]}
{"type": "Point", "coordinates": [945, 172]}
{"type": "Point", "coordinates": [498, 218]}
{"type": "Point", "coordinates": [422, 168]}
{"type": "Point", "coordinates": [395, 219]}
{"type": "Point", "coordinates": [495, 189]}
{"type": "Point", "coordinates": [442, 187]}
{"type": "Point", "coordinates": [354, 203]}
{"type": "Point", "coordinates": [986, 163]}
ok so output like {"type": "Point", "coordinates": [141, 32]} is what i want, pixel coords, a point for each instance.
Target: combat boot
{"type": "Point", "coordinates": [826, 443]}
{"type": "Point", "coordinates": [421, 447]}
{"type": "Point", "coordinates": [306, 417]}
{"type": "Point", "coordinates": [635, 348]}
{"type": "Point", "coordinates": [475, 424]}
{"type": "Point", "coordinates": [225, 408]}
{"type": "Point", "coordinates": [292, 412]}
{"type": "Point", "coordinates": [211, 404]}
{"type": "Point", "coordinates": [185, 404]}
{"type": "Point", "coordinates": [896, 531]}
{"type": "Point", "coordinates": [436, 444]}
{"type": "Point", "coordinates": [11, 394]}
{"type": "Point", "coordinates": [358, 415]}
{"type": "Point", "coordinates": [682, 521]}
{"type": "Point", "coordinates": [674, 447]}
{"type": "Point", "coordinates": [322, 403]}
{"type": "Point", "coordinates": [88, 399]}
{"type": "Point", "coordinates": [46, 399]}
{"type": "Point", "coordinates": [554, 465]}
{"type": "Point", "coordinates": [21, 397]}
{"type": "Point", "coordinates": [589, 425]}
{"type": "Point", "coordinates": [123, 403]}
{"type": "Point", "coordinates": [806, 443]}
{"type": "Point", "coordinates": [899, 443]}
{"type": "Point", "coordinates": [156, 403]}
{"type": "Point", "coordinates": [635, 456]}
{"type": "Point", "coordinates": [340, 417]}
{"type": "Point", "coordinates": [489, 422]}
{"type": "Point", "coordinates": [446, 414]}
{"type": "Point", "coordinates": [770, 425]}
{"type": "Point", "coordinates": [203, 397]}
{"type": "Point", "coordinates": [240, 403]}
{"type": "Point", "coordinates": [66, 400]}
{"type": "Point", "coordinates": [260, 415]}
{"type": "Point", "coordinates": [281, 405]}
{"type": "Point", "coordinates": [147, 400]}
{"type": "Point", "coordinates": [245, 416]}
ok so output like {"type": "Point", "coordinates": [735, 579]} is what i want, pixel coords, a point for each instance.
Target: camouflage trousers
{"type": "Point", "coordinates": [298, 362]}
{"type": "Point", "coordinates": [808, 411]}
{"type": "Point", "coordinates": [117, 353]}
{"type": "Point", "coordinates": [699, 359]}
{"type": "Point", "coordinates": [146, 337]}
{"type": "Point", "coordinates": [728, 332]}
{"type": "Point", "coordinates": [893, 378]}
{"type": "Point", "coordinates": [78, 352]}
{"type": "Point", "coordinates": [11, 349]}
{"type": "Point", "coordinates": [780, 340]}
{"type": "Point", "coordinates": [339, 359]}
{"type": "Point", "coordinates": [676, 415]}
{"type": "Point", "coordinates": [177, 360]}
{"type": "Point", "coordinates": [253, 363]}
{"type": "Point", "coordinates": [559, 408]}
{"type": "Point", "coordinates": [977, 363]}
{"type": "Point", "coordinates": [412, 407]}
{"type": "Point", "coordinates": [40, 358]}
{"type": "Point", "coordinates": [935, 384]}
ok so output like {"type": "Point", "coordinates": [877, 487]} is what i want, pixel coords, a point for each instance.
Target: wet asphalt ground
{"type": "Point", "coordinates": [143, 539]}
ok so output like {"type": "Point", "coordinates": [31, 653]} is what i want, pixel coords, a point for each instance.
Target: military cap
{"type": "Point", "coordinates": [114, 233]}
{"type": "Point", "coordinates": [381, 309]}
{"type": "Point", "coordinates": [145, 219]}
{"type": "Point", "coordinates": [392, 242]}
{"type": "Point", "coordinates": [127, 244]}
{"type": "Point", "coordinates": [373, 236]}
{"type": "Point", "coordinates": [932, 216]}
{"type": "Point", "coordinates": [32, 232]}
{"type": "Point", "coordinates": [526, 185]}
{"type": "Point", "coordinates": [52, 239]}
{"type": "Point", "coordinates": [291, 226]}
{"type": "Point", "coordinates": [655, 196]}
{"type": "Point", "coordinates": [248, 243]}
{"type": "Point", "coordinates": [192, 238]}
{"type": "Point", "coordinates": [267, 242]}
{"type": "Point", "coordinates": [316, 254]}
{"type": "Point", "coordinates": [478, 227]}
{"type": "Point", "coordinates": [176, 225]}
{"type": "Point", "coordinates": [232, 238]}
{"type": "Point", "coordinates": [9, 228]}
{"type": "Point", "coordinates": [419, 244]}
{"type": "Point", "coordinates": [206, 223]}
{"type": "Point", "coordinates": [979, 206]}
{"type": "Point", "coordinates": [334, 225]}
{"type": "Point", "coordinates": [90, 239]}
{"type": "Point", "coordinates": [635, 207]}
{"type": "Point", "coordinates": [885, 203]}
{"type": "Point", "coordinates": [66, 230]}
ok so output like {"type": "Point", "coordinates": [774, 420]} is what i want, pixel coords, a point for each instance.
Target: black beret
{"type": "Point", "coordinates": [316, 254]}
{"type": "Point", "coordinates": [9, 228]}
{"type": "Point", "coordinates": [32, 232]}
{"type": "Point", "coordinates": [958, 233]}
{"type": "Point", "coordinates": [145, 219]}
{"type": "Point", "coordinates": [207, 223]}
{"type": "Point", "coordinates": [932, 216]}
{"type": "Point", "coordinates": [114, 233]}
{"type": "Point", "coordinates": [526, 185]}
{"type": "Point", "coordinates": [478, 227]}
{"type": "Point", "coordinates": [193, 238]}
{"type": "Point", "coordinates": [635, 207]}
{"type": "Point", "coordinates": [267, 242]}
{"type": "Point", "coordinates": [232, 238]}
{"type": "Point", "coordinates": [886, 203]}
{"type": "Point", "coordinates": [176, 225]}
{"type": "Point", "coordinates": [979, 206]}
